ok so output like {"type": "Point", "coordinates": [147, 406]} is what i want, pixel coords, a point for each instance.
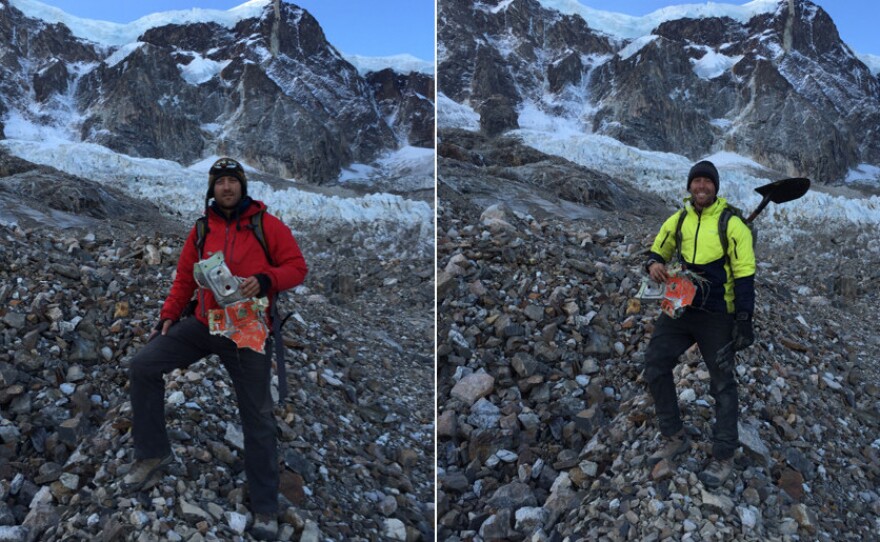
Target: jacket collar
{"type": "Point", "coordinates": [714, 209]}
{"type": "Point", "coordinates": [246, 207]}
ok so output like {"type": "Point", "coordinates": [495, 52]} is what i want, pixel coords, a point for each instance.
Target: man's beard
{"type": "Point", "coordinates": [230, 207]}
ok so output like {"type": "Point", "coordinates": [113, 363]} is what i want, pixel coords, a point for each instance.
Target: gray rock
{"type": "Point", "coordinates": [15, 533]}
{"type": "Point", "coordinates": [192, 512]}
{"type": "Point", "coordinates": [512, 495]}
{"type": "Point", "coordinates": [15, 320]}
{"type": "Point", "coordinates": [311, 532]}
{"type": "Point", "coordinates": [752, 443]}
{"type": "Point", "coordinates": [530, 518]}
{"type": "Point", "coordinates": [472, 387]}
{"type": "Point", "coordinates": [394, 529]}
{"type": "Point", "coordinates": [717, 502]}
{"type": "Point", "coordinates": [484, 414]}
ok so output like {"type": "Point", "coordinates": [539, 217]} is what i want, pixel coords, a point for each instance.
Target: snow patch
{"type": "Point", "coordinates": [404, 63]}
{"type": "Point", "coordinates": [531, 117]}
{"type": "Point", "coordinates": [408, 158]}
{"type": "Point", "coordinates": [122, 53]}
{"type": "Point", "coordinates": [451, 114]}
{"type": "Point", "coordinates": [116, 34]}
{"type": "Point", "coordinates": [183, 188]}
{"type": "Point", "coordinates": [201, 69]}
{"type": "Point", "coordinates": [19, 126]}
{"type": "Point", "coordinates": [664, 174]}
{"type": "Point", "coordinates": [864, 173]}
{"type": "Point", "coordinates": [635, 46]}
{"type": "Point", "coordinates": [629, 27]}
{"type": "Point", "coordinates": [503, 5]}
{"type": "Point", "coordinates": [725, 159]}
{"type": "Point", "coordinates": [872, 62]}
{"type": "Point", "coordinates": [357, 173]}
{"type": "Point", "coordinates": [713, 64]}
{"type": "Point", "coordinates": [405, 169]}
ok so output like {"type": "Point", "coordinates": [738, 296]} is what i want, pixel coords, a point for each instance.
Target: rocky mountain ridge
{"type": "Point", "coordinates": [270, 90]}
{"type": "Point", "coordinates": [766, 88]}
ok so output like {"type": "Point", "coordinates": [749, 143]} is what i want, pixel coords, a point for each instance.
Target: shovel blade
{"type": "Point", "coordinates": [784, 189]}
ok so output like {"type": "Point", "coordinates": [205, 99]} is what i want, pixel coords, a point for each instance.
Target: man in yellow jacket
{"type": "Point", "coordinates": [719, 318]}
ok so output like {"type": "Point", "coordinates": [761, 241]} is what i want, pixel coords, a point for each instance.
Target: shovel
{"type": "Point", "coordinates": [779, 192]}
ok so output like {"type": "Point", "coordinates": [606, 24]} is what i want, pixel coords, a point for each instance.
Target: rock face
{"type": "Point", "coordinates": [478, 166]}
{"type": "Point", "coordinates": [545, 424]}
{"type": "Point", "coordinates": [409, 101]}
{"type": "Point", "coordinates": [280, 96]}
{"type": "Point", "coordinates": [40, 196]}
{"type": "Point", "coordinates": [789, 77]}
{"type": "Point", "coordinates": [472, 70]}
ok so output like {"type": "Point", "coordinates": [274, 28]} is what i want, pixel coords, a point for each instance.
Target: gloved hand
{"type": "Point", "coordinates": [743, 334]}
{"type": "Point", "coordinates": [161, 328]}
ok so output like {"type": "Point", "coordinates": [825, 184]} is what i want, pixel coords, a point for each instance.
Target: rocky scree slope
{"type": "Point", "coordinates": [545, 424]}
{"type": "Point", "coordinates": [356, 432]}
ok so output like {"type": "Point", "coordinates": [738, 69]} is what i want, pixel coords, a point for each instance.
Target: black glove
{"type": "Point", "coordinates": [743, 334]}
{"type": "Point", "coordinates": [188, 310]}
{"type": "Point", "coordinates": [265, 284]}
{"type": "Point", "coordinates": [157, 329]}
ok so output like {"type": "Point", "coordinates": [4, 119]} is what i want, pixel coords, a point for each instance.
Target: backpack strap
{"type": "Point", "coordinates": [723, 220]}
{"type": "Point", "coordinates": [256, 226]}
{"type": "Point", "coordinates": [681, 216]}
{"type": "Point", "coordinates": [201, 233]}
{"type": "Point", "coordinates": [259, 233]}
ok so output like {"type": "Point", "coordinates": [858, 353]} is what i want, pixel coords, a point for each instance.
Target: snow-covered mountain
{"type": "Point", "coordinates": [768, 80]}
{"type": "Point", "coordinates": [259, 81]}
{"type": "Point", "coordinates": [330, 141]}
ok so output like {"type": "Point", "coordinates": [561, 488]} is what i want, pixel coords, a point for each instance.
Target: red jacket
{"type": "Point", "coordinates": [243, 255]}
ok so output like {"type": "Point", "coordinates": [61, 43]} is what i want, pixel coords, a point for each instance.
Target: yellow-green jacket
{"type": "Point", "coordinates": [728, 288]}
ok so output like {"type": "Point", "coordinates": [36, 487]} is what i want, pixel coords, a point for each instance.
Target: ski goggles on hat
{"type": "Point", "coordinates": [225, 163]}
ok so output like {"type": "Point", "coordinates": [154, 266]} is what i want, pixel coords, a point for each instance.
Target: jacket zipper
{"type": "Point", "coordinates": [226, 241]}
{"type": "Point", "coordinates": [696, 237]}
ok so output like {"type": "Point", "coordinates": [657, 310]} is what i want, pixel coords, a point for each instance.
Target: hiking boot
{"type": "Point", "coordinates": [265, 527]}
{"type": "Point", "coordinates": [716, 473]}
{"type": "Point", "coordinates": [143, 471]}
{"type": "Point", "coordinates": [674, 446]}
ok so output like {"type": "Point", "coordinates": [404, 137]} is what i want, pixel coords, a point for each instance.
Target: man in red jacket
{"type": "Point", "coordinates": [178, 342]}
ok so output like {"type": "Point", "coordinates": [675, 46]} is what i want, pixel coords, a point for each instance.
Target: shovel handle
{"type": "Point", "coordinates": [758, 210]}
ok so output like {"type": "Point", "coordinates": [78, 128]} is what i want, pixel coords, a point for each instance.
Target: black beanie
{"type": "Point", "coordinates": [705, 169]}
{"type": "Point", "coordinates": [226, 167]}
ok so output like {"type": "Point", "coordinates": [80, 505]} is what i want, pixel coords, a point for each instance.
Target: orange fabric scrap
{"type": "Point", "coordinates": [679, 294]}
{"type": "Point", "coordinates": [243, 322]}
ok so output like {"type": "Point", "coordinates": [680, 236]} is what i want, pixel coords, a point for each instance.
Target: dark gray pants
{"type": "Point", "coordinates": [671, 338]}
{"type": "Point", "coordinates": [187, 342]}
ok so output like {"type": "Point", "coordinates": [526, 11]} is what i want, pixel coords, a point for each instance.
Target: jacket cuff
{"type": "Point", "coordinates": [653, 257]}
{"type": "Point", "coordinates": [265, 284]}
